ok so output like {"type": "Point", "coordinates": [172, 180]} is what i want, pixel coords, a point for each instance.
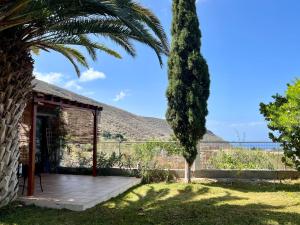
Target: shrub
{"type": "Point", "coordinates": [282, 116]}
{"type": "Point", "coordinates": [145, 155]}
{"type": "Point", "coordinates": [144, 161]}
{"type": "Point", "coordinates": [74, 156]}
{"type": "Point", "coordinates": [155, 175]}
{"type": "Point", "coordinates": [244, 159]}
{"type": "Point", "coordinates": [108, 161]}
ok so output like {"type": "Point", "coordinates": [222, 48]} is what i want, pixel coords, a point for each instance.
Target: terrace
{"type": "Point", "coordinates": [75, 192]}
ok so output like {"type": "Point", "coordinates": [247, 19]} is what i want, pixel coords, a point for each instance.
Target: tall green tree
{"type": "Point", "coordinates": [33, 25]}
{"type": "Point", "coordinates": [283, 116]}
{"type": "Point", "coordinates": [189, 82]}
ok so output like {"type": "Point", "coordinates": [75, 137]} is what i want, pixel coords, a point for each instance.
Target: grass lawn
{"type": "Point", "coordinates": [176, 203]}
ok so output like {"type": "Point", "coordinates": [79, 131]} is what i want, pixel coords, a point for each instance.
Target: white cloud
{"type": "Point", "coordinates": [121, 95]}
{"type": "Point", "coordinates": [90, 75]}
{"type": "Point", "coordinates": [73, 84]}
{"type": "Point", "coordinates": [52, 78]}
{"type": "Point", "coordinates": [65, 81]}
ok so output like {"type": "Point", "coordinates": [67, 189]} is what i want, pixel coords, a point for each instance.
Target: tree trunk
{"type": "Point", "coordinates": [16, 67]}
{"type": "Point", "coordinates": [187, 173]}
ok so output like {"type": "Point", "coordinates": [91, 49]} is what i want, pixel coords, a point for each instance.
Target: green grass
{"type": "Point", "coordinates": [176, 203]}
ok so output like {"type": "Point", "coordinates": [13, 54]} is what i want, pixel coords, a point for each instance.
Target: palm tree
{"type": "Point", "coordinates": [28, 26]}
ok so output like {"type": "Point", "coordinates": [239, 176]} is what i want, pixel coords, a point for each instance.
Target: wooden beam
{"type": "Point", "coordinates": [68, 105]}
{"type": "Point", "coordinates": [95, 142]}
{"type": "Point", "coordinates": [32, 149]}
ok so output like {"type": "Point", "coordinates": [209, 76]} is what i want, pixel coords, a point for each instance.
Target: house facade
{"type": "Point", "coordinates": [52, 116]}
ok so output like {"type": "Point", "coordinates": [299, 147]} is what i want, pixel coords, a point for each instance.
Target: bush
{"type": "Point", "coordinates": [155, 175]}
{"type": "Point", "coordinates": [145, 155]}
{"type": "Point", "coordinates": [282, 116]}
{"type": "Point", "coordinates": [244, 159]}
{"type": "Point", "coordinates": [108, 161]}
{"type": "Point", "coordinates": [76, 156]}
{"type": "Point", "coordinates": [143, 161]}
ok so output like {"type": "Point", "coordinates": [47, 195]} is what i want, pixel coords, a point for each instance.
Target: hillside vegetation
{"type": "Point", "coordinates": [134, 127]}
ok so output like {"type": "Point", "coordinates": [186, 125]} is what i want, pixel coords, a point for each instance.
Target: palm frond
{"type": "Point", "coordinates": [56, 23]}
{"type": "Point", "coordinates": [79, 40]}
{"type": "Point", "coordinates": [141, 13]}
{"type": "Point", "coordinates": [13, 7]}
{"type": "Point", "coordinates": [70, 53]}
{"type": "Point", "coordinates": [35, 50]}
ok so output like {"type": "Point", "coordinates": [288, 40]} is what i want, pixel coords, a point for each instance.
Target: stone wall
{"type": "Point", "coordinates": [78, 123]}
{"type": "Point", "coordinates": [207, 174]}
{"type": "Point", "coordinates": [247, 174]}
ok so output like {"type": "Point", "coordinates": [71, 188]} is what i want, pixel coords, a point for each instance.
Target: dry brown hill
{"type": "Point", "coordinates": [118, 121]}
{"type": "Point", "coordinates": [134, 127]}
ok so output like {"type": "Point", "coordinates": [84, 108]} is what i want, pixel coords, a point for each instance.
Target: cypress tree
{"type": "Point", "coordinates": [189, 82]}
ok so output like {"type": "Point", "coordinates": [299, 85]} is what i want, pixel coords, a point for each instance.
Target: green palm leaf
{"type": "Point", "coordinates": [55, 24]}
{"type": "Point", "coordinates": [71, 54]}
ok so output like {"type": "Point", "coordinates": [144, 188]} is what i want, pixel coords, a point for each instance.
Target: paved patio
{"type": "Point", "coordinates": [76, 192]}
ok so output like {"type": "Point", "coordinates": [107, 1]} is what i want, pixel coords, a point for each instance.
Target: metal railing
{"type": "Point", "coordinates": [211, 155]}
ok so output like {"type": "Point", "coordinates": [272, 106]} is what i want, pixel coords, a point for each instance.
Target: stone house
{"type": "Point", "coordinates": [53, 112]}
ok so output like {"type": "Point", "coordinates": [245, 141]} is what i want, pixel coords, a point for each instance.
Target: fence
{"type": "Point", "coordinates": [240, 155]}
{"type": "Point", "coordinates": [211, 155]}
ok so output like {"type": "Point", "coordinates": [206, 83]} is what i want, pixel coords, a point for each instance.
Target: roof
{"type": "Point", "coordinates": [52, 90]}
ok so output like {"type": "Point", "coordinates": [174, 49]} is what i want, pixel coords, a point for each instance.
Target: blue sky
{"type": "Point", "coordinates": [252, 48]}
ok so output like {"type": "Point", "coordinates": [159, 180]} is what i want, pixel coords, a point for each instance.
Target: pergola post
{"type": "Point", "coordinates": [95, 142]}
{"type": "Point", "coordinates": [32, 149]}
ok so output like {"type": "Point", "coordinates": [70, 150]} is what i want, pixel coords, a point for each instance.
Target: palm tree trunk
{"type": "Point", "coordinates": [16, 67]}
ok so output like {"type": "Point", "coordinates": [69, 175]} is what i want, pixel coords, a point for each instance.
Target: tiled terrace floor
{"type": "Point", "coordinates": [77, 192]}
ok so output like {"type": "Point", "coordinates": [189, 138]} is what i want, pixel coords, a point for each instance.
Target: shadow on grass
{"type": "Point", "coordinates": [257, 187]}
{"type": "Point", "coordinates": [165, 205]}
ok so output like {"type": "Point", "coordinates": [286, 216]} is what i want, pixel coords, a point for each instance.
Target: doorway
{"type": "Point", "coordinates": [46, 154]}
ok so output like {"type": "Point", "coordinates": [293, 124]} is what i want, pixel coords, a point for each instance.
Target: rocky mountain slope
{"type": "Point", "coordinates": [134, 127]}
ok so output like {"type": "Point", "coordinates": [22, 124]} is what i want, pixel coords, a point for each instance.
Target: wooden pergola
{"type": "Point", "coordinates": [52, 100]}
